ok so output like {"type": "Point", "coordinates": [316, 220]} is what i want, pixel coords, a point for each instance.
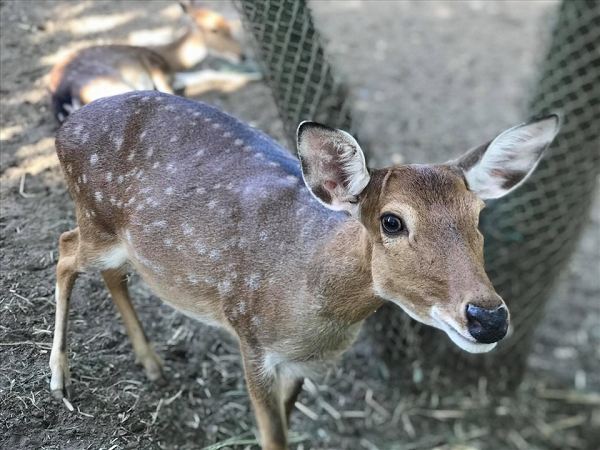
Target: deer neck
{"type": "Point", "coordinates": [184, 53]}
{"type": "Point", "coordinates": [341, 275]}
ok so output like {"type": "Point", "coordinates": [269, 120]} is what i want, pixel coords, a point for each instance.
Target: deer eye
{"type": "Point", "coordinates": [392, 225]}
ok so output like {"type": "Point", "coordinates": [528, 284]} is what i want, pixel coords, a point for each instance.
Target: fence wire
{"type": "Point", "coordinates": [530, 234]}
{"type": "Point", "coordinates": [293, 63]}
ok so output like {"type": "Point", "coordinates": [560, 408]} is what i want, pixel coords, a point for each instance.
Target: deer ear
{"type": "Point", "coordinates": [186, 5]}
{"type": "Point", "coordinates": [494, 170]}
{"type": "Point", "coordinates": [333, 166]}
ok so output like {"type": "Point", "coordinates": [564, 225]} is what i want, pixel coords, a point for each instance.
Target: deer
{"type": "Point", "coordinates": [288, 254]}
{"type": "Point", "coordinates": [105, 70]}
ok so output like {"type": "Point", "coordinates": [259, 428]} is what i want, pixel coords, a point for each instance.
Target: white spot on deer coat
{"type": "Point", "coordinates": [84, 178]}
{"type": "Point", "coordinates": [131, 156]}
{"type": "Point", "coordinates": [109, 176]}
{"type": "Point", "coordinates": [173, 139]}
{"type": "Point", "coordinates": [169, 191]}
{"type": "Point", "coordinates": [93, 159]}
{"type": "Point", "coordinates": [120, 179]}
{"type": "Point", "coordinates": [225, 287]}
{"type": "Point", "coordinates": [200, 248]}
{"type": "Point", "coordinates": [168, 242]}
{"type": "Point", "coordinates": [149, 152]}
{"type": "Point", "coordinates": [253, 281]}
{"type": "Point", "coordinates": [212, 204]}
{"type": "Point", "coordinates": [239, 142]}
{"type": "Point", "coordinates": [187, 229]}
{"type": "Point", "coordinates": [242, 308]}
{"type": "Point", "coordinates": [214, 254]}
{"type": "Point", "coordinates": [192, 278]}
{"type": "Point", "coordinates": [98, 196]}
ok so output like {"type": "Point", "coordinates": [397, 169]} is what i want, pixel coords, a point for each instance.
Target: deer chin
{"type": "Point", "coordinates": [468, 344]}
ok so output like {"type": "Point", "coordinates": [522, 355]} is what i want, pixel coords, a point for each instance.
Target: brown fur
{"type": "Point", "coordinates": [215, 218]}
{"type": "Point", "coordinates": [102, 71]}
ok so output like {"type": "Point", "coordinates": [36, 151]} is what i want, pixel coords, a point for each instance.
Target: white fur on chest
{"type": "Point", "coordinates": [277, 365]}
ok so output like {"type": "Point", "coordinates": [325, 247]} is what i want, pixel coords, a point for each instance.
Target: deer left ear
{"type": "Point", "coordinates": [333, 166]}
{"type": "Point", "coordinates": [494, 170]}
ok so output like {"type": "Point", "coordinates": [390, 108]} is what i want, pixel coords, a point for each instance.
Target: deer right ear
{"type": "Point", "coordinates": [494, 170]}
{"type": "Point", "coordinates": [333, 166]}
{"type": "Point", "coordinates": [185, 5]}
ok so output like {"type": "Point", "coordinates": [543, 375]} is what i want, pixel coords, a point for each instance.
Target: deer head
{"type": "Point", "coordinates": [422, 222]}
{"type": "Point", "coordinates": [214, 31]}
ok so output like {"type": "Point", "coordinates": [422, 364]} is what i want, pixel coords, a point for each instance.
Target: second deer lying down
{"type": "Point", "coordinates": [106, 70]}
{"type": "Point", "coordinates": [216, 218]}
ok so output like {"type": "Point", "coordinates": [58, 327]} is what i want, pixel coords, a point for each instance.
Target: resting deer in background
{"type": "Point", "coordinates": [216, 218]}
{"type": "Point", "coordinates": [106, 70]}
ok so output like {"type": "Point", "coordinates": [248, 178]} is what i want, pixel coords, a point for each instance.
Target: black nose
{"type": "Point", "coordinates": [243, 57]}
{"type": "Point", "coordinates": [487, 325]}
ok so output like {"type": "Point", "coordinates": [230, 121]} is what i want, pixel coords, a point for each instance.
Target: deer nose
{"type": "Point", "coordinates": [487, 325]}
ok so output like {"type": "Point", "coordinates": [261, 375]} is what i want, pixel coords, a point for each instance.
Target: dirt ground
{"type": "Point", "coordinates": [431, 80]}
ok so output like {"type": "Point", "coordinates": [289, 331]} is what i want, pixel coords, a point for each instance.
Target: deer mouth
{"type": "Point", "coordinates": [465, 342]}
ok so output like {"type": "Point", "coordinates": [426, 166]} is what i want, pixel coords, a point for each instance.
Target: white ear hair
{"type": "Point", "coordinates": [354, 164]}
{"type": "Point", "coordinates": [333, 166]}
{"type": "Point", "coordinates": [502, 166]}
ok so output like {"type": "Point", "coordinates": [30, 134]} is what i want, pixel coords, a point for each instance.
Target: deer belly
{"type": "Point", "coordinates": [186, 294]}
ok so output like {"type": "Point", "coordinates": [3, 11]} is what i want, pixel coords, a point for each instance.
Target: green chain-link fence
{"type": "Point", "coordinates": [529, 234]}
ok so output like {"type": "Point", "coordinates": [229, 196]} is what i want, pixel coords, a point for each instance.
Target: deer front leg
{"type": "Point", "coordinates": [265, 393]}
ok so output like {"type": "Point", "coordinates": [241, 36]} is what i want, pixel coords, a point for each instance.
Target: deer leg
{"type": "Point", "coordinates": [160, 81]}
{"type": "Point", "coordinates": [264, 390]}
{"type": "Point", "coordinates": [116, 282]}
{"type": "Point", "coordinates": [292, 389]}
{"type": "Point", "coordinates": [66, 274]}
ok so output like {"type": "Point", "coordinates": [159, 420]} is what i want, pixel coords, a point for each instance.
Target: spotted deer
{"type": "Point", "coordinates": [290, 256]}
{"type": "Point", "coordinates": [106, 70]}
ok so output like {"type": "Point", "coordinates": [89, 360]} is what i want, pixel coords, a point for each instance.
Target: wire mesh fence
{"type": "Point", "coordinates": [529, 234]}
{"type": "Point", "coordinates": [294, 64]}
